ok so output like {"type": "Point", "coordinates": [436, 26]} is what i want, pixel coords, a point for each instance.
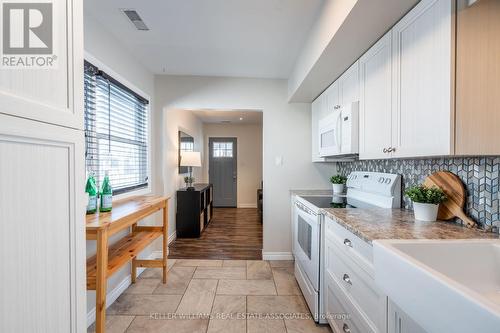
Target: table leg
{"type": "Point", "coordinates": [102, 267]}
{"type": "Point", "coordinates": [165, 242]}
{"type": "Point", "coordinates": [134, 270]}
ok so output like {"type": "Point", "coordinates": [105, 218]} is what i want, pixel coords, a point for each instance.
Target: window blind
{"type": "Point", "coordinates": [116, 131]}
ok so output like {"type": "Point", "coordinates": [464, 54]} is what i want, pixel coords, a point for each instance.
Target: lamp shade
{"type": "Point", "coordinates": [191, 158]}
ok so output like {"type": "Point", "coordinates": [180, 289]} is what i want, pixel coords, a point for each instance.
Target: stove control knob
{"type": "Point", "coordinates": [388, 181]}
{"type": "Point", "coordinates": [381, 180]}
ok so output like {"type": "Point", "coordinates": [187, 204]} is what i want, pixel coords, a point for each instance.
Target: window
{"type": "Point", "coordinates": [116, 131]}
{"type": "Point", "coordinates": [222, 149]}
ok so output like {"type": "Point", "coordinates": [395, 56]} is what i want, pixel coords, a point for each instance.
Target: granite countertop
{"type": "Point", "coordinates": [381, 223]}
{"type": "Point", "coordinates": [311, 192]}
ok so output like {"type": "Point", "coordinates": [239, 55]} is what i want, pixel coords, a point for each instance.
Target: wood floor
{"type": "Point", "coordinates": [234, 233]}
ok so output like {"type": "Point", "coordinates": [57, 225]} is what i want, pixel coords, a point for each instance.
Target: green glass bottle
{"type": "Point", "coordinates": [106, 195]}
{"type": "Point", "coordinates": [91, 190]}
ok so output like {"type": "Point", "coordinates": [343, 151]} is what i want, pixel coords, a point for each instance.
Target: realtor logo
{"type": "Point", "coordinates": [27, 35]}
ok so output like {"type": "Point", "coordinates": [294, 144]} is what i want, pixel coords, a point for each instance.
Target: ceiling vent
{"type": "Point", "coordinates": [226, 122]}
{"type": "Point", "coordinates": [134, 17]}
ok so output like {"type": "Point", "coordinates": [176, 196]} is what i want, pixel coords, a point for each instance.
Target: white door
{"type": "Point", "coordinates": [422, 64]}
{"type": "Point", "coordinates": [41, 227]}
{"type": "Point", "coordinates": [51, 95]}
{"type": "Point", "coordinates": [349, 85]}
{"type": "Point", "coordinates": [375, 100]}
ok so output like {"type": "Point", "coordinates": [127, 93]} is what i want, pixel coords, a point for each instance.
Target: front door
{"type": "Point", "coordinates": [222, 170]}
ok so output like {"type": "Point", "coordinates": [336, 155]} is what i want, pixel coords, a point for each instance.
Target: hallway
{"type": "Point", "coordinates": [234, 233]}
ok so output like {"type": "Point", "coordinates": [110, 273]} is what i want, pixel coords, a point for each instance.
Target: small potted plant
{"type": "Point", "coordinates": [426, 201]}
{"type": "Point", "coordinates": [338, 183]}
{"type": "Point", "coordinates": [189, 181]}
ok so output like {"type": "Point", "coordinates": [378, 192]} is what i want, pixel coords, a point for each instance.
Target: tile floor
{"type": "Point", "coordinates": [208, 296]}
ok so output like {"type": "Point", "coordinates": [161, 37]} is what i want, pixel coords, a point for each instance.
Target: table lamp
{"type": "Point", "coordinates": [191, 159]}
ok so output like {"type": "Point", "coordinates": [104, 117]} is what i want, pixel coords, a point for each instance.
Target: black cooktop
{"type": "Point", "coordinates": [327, 201]}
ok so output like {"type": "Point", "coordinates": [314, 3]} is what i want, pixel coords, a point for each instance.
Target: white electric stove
{"type": "Point", "coordinates": [364, 190]}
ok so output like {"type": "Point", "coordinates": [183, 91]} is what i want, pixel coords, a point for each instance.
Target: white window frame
{"type": "Point", "coordinates": [145, 190]}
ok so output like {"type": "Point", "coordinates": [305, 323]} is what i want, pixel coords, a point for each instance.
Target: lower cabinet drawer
{"type": "Point", "coordinates": [357, 284]}
{"type": "Point", "coordinates": [342, 315]}
{"type": "Point", "coordinates": [355, 247]}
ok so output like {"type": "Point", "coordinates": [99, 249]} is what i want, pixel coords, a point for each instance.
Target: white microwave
{"type": "Point", "coordinates": [339, 132]}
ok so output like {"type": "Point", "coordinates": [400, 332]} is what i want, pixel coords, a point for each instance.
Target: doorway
{"type": "Point", "coordinates": [222, 170]}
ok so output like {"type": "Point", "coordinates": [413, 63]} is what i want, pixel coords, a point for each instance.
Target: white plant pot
{"type": "Point", "coordinates": [425, 212]}
{"type": "Point", "coordinates": [338, 188]}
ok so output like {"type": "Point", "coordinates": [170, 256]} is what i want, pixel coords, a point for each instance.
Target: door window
{"type": "Point", "coordinates": [222, 149]}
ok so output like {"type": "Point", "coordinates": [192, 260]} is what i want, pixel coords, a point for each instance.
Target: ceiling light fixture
{"type": "Point", "coordinates": [136, 20]}
{"type": "Point", "coordinates": [241, 118]}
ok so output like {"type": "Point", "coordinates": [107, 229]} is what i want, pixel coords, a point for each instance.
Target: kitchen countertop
{"type": "Point", "coordinates": [381, 223]}
{"type": "Point", "coordinates": [311, 192]}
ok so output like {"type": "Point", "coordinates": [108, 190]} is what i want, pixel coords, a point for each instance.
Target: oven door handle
{"type": "Point", "coordinates": [305, 209]}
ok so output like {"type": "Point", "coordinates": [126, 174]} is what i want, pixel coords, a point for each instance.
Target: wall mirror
{"type": "Point", "coordinates": [186, 143]}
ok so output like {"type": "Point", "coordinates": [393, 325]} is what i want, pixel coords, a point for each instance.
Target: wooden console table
{"type": "Point", "coordinates": [109, 259]}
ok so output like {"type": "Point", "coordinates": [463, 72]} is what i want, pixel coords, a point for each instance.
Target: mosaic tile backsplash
{"type": "Point", "coordinates": [480, 175]}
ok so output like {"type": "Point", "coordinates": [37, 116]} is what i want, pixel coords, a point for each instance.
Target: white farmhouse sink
{"type": "Point", "coordinates": [444, 285]}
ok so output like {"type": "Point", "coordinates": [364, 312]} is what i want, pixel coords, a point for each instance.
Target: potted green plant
{"type": "Point", "coordinates": [338, 183]}
{"type": "Point", "coordinates": [189, 181]}
{"type": "Point", "coordinates": [426, 201]}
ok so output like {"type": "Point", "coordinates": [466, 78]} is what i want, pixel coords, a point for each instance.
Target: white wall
{"type": "Point", "coordinates": [286, 134]}
{"type": "Point", "coordinates": [101, 47]}
{"type": "Point", "coordinates": [174, 121]}
{"type": "Point", "coordinates": [249, 158]}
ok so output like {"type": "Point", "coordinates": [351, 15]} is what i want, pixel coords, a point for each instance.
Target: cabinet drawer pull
{"type": "Point", "coordinates": [346, 328]}
{"type": "Point", "coordinates": [347, 242]}
{"type": "Point", "coordinates": [347, 279]}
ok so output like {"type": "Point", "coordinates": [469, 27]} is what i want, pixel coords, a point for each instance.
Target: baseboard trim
{"type": "Point", "coordinates": [112, 295]}
{"type": "Point", "coordinates": [247, 205]}
{"type": "Point", "coordinates": [277, 255]}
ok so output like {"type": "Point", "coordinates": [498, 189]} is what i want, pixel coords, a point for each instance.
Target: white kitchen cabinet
{"type": "Point", "coordinates": [349, 285]}
{"type": "Point", "coordinates": [51, 95]}
{"type": "Point", "coordinates": [400, 322]}
{"type": "Point", "coordinates": [376, 100]}
{"type": "Point", "coordinates": [318, 110]}
{"type": "Point", "coordinates": [42, 178]}
{"type": "Point", "coordinates": [406, 87]}
{"type": "Point", "coordinates": [42, 214]}
{"type": "Point", "coordinates": [422, 81]}
{"type": "Point", "coordinates": [349, 85]}
{"type": "Point", "coordinates": [332, 98]}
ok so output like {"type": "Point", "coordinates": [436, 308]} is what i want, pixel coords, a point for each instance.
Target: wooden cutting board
{"type": "Point", "coordinates": [454, 189]}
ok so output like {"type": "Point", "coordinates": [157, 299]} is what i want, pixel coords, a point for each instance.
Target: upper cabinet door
{"type": "Point", "coordinates": [349, 85]}
{"type": "Point", "coordinates": [478, 78]}
{"type": "Point", "coordinates": [375, 100]}
{"type": "Point", "coordinates": [332, 98]}
{"type": "Point", "coordinates": [422, 81]}
{"type": "Point", "coordinates": [38, 90]}
{"type": "Point", "coordinates": [316, 109]}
